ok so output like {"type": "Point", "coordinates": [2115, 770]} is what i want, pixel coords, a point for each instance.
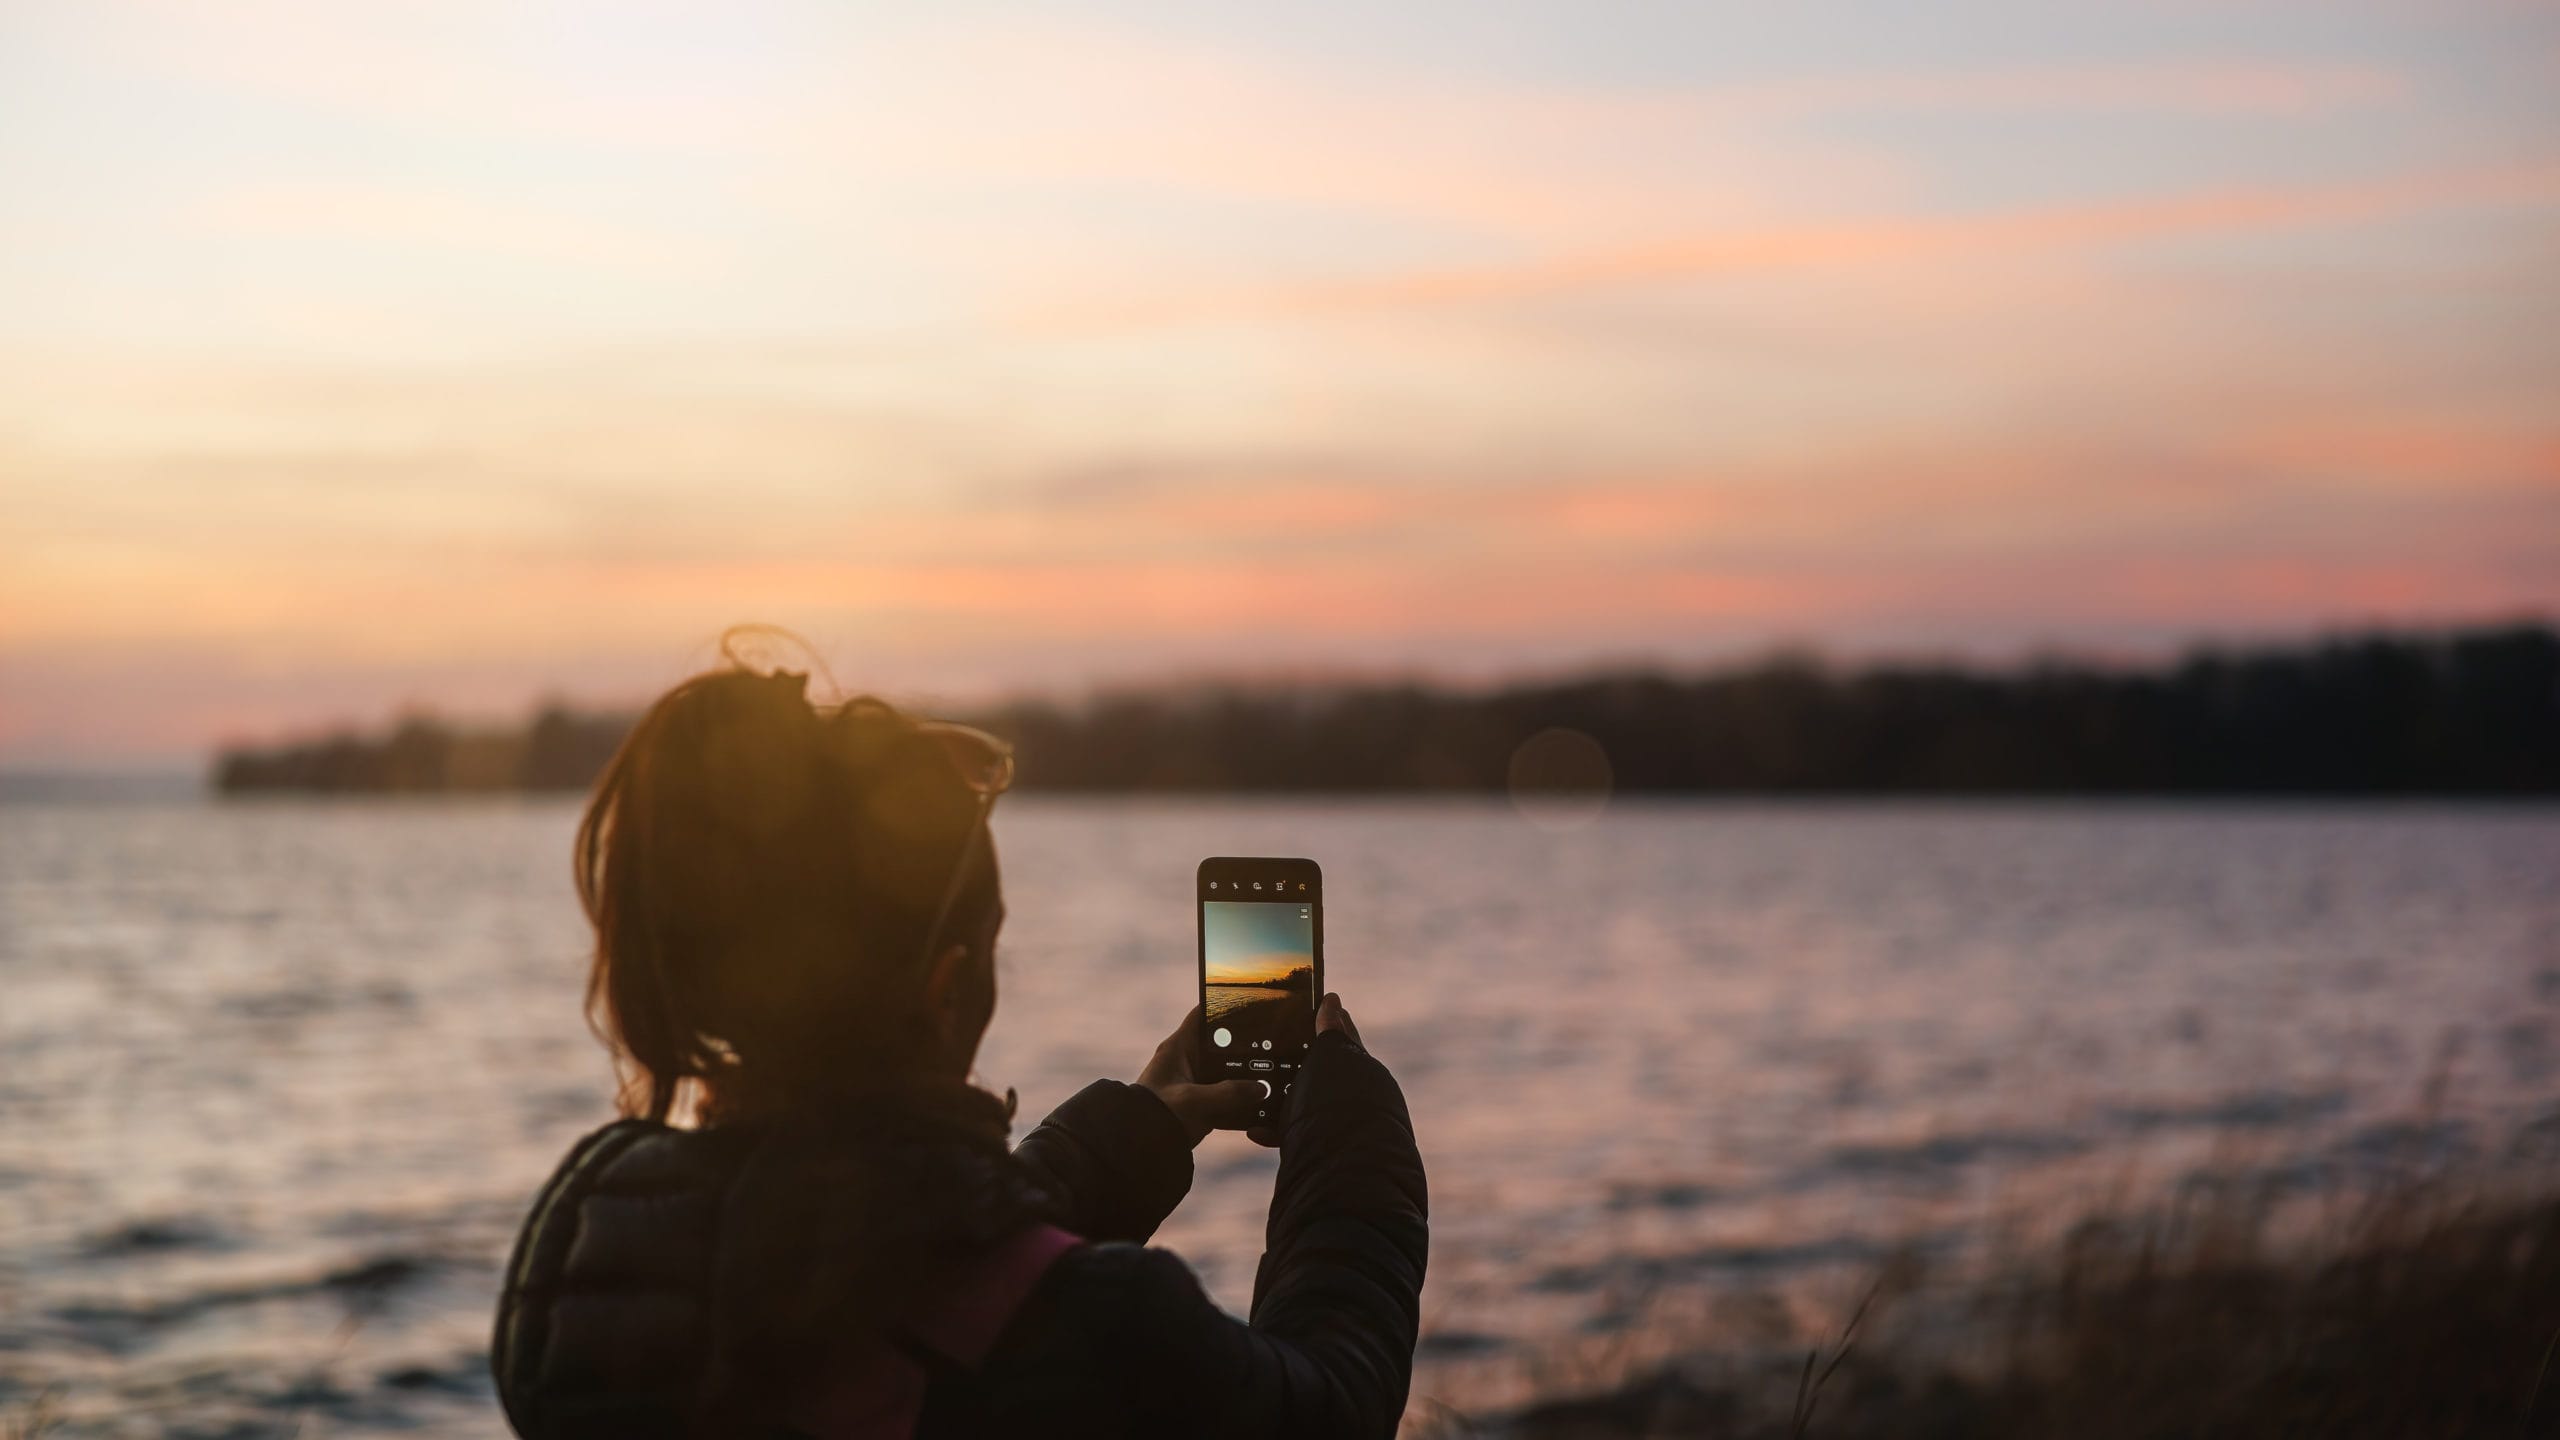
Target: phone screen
{"type": "Point", "coordinates": [1261, 970]}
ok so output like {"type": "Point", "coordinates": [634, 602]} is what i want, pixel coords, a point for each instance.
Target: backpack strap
{"type": "Point", "coordinates": [962, 1319]}
{"type": "Point", "coordinates": [880, 1393]}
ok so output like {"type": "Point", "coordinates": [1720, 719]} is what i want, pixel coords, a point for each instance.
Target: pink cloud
{"type": "Point", "coordinates": [2202, 86]}
{"type": "Point", "coordinates": [2076, 227]}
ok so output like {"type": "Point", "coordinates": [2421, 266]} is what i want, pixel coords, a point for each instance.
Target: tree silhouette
{"type": "Point", "coordinates": [2469, 713]}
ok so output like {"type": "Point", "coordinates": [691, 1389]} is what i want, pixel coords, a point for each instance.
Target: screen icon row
{"type": "Point", "coordinates": [1256, 885]}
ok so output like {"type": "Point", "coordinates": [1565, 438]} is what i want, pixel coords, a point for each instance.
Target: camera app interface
{"type": "Point", "coordinates": [1260, 984]}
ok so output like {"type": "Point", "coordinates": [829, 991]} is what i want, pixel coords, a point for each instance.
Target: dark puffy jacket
{"type": "Point", "coordinates": [604, 1323]}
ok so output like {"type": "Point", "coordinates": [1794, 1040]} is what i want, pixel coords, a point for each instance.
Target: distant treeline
{"type": "Point", "coordinates": [562, 749]}
{"type": "Point", "coordinates": [2474, 712]}
{"type": "Point", "coordinates": [1302, 978]}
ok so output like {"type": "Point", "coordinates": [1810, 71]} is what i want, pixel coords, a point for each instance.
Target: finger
{"type": "Point", "coordinates": [1236, 1100]}
{"type": "Point", "coordinates": [1222, 1104]}
{"type": "Point", "coordinates": [1332, 1016]}
{"type": "Point", "coordinates": [1178, 1055]}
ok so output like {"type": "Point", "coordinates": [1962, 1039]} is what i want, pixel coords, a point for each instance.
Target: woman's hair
{"type": "Point", "coordinates": [761, 874]}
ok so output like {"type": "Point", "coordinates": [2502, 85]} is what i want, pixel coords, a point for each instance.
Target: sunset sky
{"type": "Point", "coordinates": [1252, 944]}
{"type": "Point", "coordinates": [361, 355]}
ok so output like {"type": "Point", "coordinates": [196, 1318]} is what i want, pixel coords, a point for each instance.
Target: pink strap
{"type": "Point", "coordinates": [963, 1319]}
{"type": "Point", "coordinates": [881, 1392]}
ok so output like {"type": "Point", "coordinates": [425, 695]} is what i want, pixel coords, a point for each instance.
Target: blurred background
{"type": "Point", "coordinates": [1895, 625]}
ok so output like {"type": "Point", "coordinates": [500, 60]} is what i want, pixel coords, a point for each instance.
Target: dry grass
{"type": "Point", "coordinates": [39, 1417]}
{"type": "Point", "coordinates": [2419, 1317]}
{"type": "Point", "coordinates": [2422, 1312]}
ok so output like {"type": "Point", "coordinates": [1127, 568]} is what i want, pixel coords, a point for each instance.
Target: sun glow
{"type": "Point", "coordinates": [459, 354]}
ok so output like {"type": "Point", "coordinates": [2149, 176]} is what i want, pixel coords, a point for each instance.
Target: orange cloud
{"type": "Point", "coordinates": [2063, 535]}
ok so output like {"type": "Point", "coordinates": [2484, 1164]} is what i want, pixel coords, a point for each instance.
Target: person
{"type": "Point", "coordinates": [809, 1224]}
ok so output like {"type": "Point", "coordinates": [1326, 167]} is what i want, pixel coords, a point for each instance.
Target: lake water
{"type": "Point", "coordinates": [1221, 1001]}
{"type": "Point", "coordinates": [276, 1080]}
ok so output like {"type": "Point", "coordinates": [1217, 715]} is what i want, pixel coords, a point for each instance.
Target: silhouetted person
{"type": "Point", "coordinates": [796, 912]}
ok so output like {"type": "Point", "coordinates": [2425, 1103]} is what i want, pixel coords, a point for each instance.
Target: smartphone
{"type": "Point", "coordinates": [1261, 971]}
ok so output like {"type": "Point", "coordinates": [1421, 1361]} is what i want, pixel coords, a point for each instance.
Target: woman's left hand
{"type": "Point", "coordinates": [1222, 1104]}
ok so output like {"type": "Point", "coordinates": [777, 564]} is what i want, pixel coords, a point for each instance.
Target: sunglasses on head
{"type": "Point", "coordinates": [984, 764]}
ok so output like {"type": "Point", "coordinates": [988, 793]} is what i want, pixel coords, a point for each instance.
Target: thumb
{"type": "Point", "coordinates": [1236, 1099]}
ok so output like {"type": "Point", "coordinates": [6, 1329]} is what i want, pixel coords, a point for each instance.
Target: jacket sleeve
{"type": "Point", "coordinates": [1337, 1299]}
{"type": "Point", "coordinates": [600, 1320]}
{"type": "Point", "coordinates": [1113, 1159]}
{"type": "Point", "coordinates": [1340, 1284]}
{"type": "Point", "coordinates": [1128, 1335]}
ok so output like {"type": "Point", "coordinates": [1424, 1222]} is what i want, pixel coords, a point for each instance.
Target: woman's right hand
{"type": "Point", "coordinates": [1330, 1017]}
{"type": "Point", "coordinates": [1201, 1106]}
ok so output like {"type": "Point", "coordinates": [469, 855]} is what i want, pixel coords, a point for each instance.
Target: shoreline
{"type": "Point", "coordinates": [2432, 1309]}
